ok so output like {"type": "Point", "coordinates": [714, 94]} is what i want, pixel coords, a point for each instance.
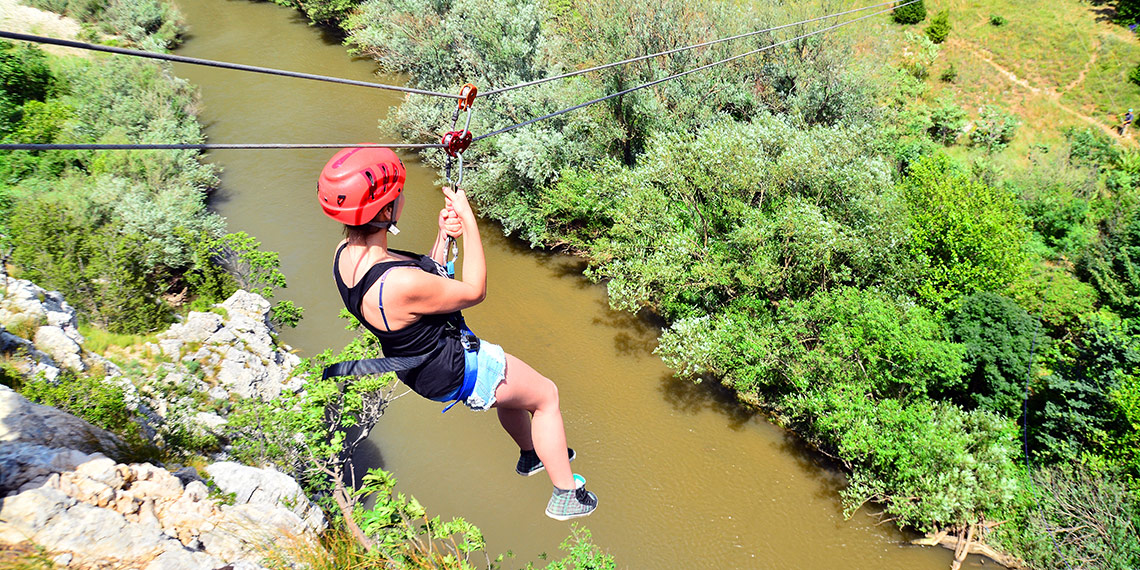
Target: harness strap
{"type": "Point", "coordinates": [374, 365]}
{"type": "Point", "coordinates": [470, 375]}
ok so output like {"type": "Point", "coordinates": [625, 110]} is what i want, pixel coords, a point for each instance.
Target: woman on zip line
{"type": "Point", "coordinates": [408, 301]}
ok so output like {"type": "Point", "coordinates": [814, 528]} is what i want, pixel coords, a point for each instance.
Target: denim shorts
{"type": "Point", "coordinates": [492, 362]}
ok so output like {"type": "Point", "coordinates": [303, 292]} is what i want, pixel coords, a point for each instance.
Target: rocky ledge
{"type": "Point", "coordinates": [69, 488]}
{"type": "Point", "coordinates": [90, 512]}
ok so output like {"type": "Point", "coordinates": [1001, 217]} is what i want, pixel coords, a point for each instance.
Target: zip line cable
{"type": "Point", "coordinates": [270, 71]}
{"type": "Point", "coordinates": [682, 74]}
{"type": "Point", "coordinates": [212, 146]}
{"type": "Point", "coordinates": [212, 63]}
{"type": "Point", "coordinates": [678, 50]}
{"type": "Point", "coordinates": [1025, 430]}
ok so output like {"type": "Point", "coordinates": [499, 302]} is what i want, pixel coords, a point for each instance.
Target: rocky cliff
{"type": "Point", "coordinates": [69, 487]}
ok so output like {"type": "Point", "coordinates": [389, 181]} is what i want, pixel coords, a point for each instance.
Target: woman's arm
{"type": "Point", "coordinates": [449, 226]}
{"type": "Point", "coordinates": [413, 293]}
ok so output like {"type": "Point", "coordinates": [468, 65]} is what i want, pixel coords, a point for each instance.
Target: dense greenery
{"type": "Point", "coordinates": [122, 234]}
{"type": "Point", "coordinates": [794, 220]}
{"type": "Point", "coordinates": [915, 311]}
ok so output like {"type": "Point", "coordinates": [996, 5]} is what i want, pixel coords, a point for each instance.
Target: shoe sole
{"type": "Point", "coordinates": [542, 468]}
{"type": "Point", "coordinates": [577, 516]}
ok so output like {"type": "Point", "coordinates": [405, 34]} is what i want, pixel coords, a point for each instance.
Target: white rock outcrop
{"type": "Point", "coordinates": [254, 486]}
{"type": "Point", "coordinates": [45, 318]}
{"type": "Point", "coordinates": [103, 513]}
{"type": "Point", "coordinates": [237, 349]}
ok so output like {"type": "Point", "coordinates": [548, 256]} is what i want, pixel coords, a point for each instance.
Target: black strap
{"type": "Point", "coordinates": [373, 366]}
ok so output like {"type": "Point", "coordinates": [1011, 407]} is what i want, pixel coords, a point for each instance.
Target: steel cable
{"type": "Point", "coordinates": [678, 50]}
{"type": "Point", "coordinates": [682, 74]}
{"type": "Point", "coordinates": [212, 63]}
{"type": "Point", "coordinates": [210, 146]}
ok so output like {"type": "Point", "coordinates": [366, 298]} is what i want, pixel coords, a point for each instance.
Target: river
{"type": "Point", "coordinates": [686, 477]}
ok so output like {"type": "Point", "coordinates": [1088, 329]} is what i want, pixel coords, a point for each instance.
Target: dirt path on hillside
{"type": "Point", "coordinates": [15, 17]}
{"type": "Point", "coordinates": [1052, 95]}
{"type": "Point", "coordinates": [1084, 70]}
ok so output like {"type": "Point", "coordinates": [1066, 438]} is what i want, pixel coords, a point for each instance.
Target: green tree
{"type": "Point", "coordinates": [912, 13]}
{"type": "Point", "coordinates": [966, 235]}
{"type": "Point", "coordinates": [1112, 265]}
{"type": "Point", "coordinates": [939, 28]}
{"type": "Point", "coordinates": [24, 73]}
{"type": "Point", "coordinates": [995, 129]}
{"type": "Point", "coordinates": [947, 121]}
{"type": "Point", "coordinates": [998, 336]}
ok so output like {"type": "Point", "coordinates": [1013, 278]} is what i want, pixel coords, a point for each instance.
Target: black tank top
{"type": "Point", "coordinates": [442, 373]}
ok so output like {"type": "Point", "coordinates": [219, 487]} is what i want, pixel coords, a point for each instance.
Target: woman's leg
{"type": "Point", "coordinates": [516, 422]}
{"type": "Point", "coordinates": [524, 392]}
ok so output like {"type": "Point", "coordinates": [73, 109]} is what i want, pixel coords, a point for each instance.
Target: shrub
{"type": "Point", "coordinates": [92, 398]}
{"type": "Point", "coordinates": [24, 73]}
{"type": "Point", "coordinates": [950, 74]}
{"type": "Point", "coordinates": [1092, 521]}
{"type": "Point", "coordinates": [947, 120]}
{"type": "Point", "coordinates": [1112, 265]}
{"type": "Point", "coordinates": [966, 235]}
{"type": "Point", "coordinates": [998, 335]}
{"type": "Point", "coordinates": [997, 20]}
{"type": "Point", "coordinates": [911, 13]}
{"type": "Point", "coordinates": [995, 129]}
{"type": "Point", "coordinates": [939, 28]}
{"type": "Point", "coordinates": [1134, 75]}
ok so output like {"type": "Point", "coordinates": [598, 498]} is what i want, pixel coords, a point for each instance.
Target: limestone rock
{"type": "Point", "coordinates": [29, 361]}
{"type": "Point", "coordinates": [26, 464]}
{"type": "Point", "coordinates": [61, 347]}
{"type": "Point", "coordinates": [238, 350]}
{"type": "Point", "coordinates": [254, 486]}
{"type": "Point", "coordinates": [24, 421]}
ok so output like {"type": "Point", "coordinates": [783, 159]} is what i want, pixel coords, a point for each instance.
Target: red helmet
{"type": "Point", "coordinates": [357, 183]}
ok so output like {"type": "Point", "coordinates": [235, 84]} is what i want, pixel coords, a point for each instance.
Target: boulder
{"type": "Point", "coordinates": [61, 347]}
{"type": "Point", "coordinates": [22, 421]}
{"type": "Point", "coordinates": [268, 487]}
{"type": "Point", "coordinates": [29, 361]}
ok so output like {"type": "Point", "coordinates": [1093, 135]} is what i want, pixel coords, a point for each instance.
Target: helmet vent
{"type": "Point", "coordinates": [340, 199]}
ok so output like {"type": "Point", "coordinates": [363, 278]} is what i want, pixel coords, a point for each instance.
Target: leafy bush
{"type": "Point", "coordinates": [24, 73]}
{"type": "Point", "coordinates": [91, 397]}
{"type": "Point", "coordinates": [931, 464]}
{"type": "Point", "coordinates": [947, 121]}
{"type": "Point", "coordinates": [997, 20]}
{"type": "Point", "coordinates": [142, 19]}
{"type": "Point", "coordinates": [950, 74]}
{"type": "Point", "coordinates": [939, 28]}
{"type": "Point", "coordinates": [995, 129]}
{"type": "Point", "coordinates": [1134, 75]}
{"type": "Point", "coordinates": [1083, 520]}
{"type": "Point", "coordinates": [1083, 410]}
{"type": "Point", "coordinates": [998, 336]}
{"type": "Point", "coordinates": [911, 13]}
{"type": "Point", "coordinates": [891, 346]}
{"type": "Point", "coordinates": [1112, 265]}
{"type": "Point", "coordinates": [967, 236]}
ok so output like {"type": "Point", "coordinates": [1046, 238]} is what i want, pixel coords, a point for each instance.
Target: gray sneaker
{"type": "Point", "coordinates": [529, 463]}
{"type": "Point", "coordinates": [565, 505]}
